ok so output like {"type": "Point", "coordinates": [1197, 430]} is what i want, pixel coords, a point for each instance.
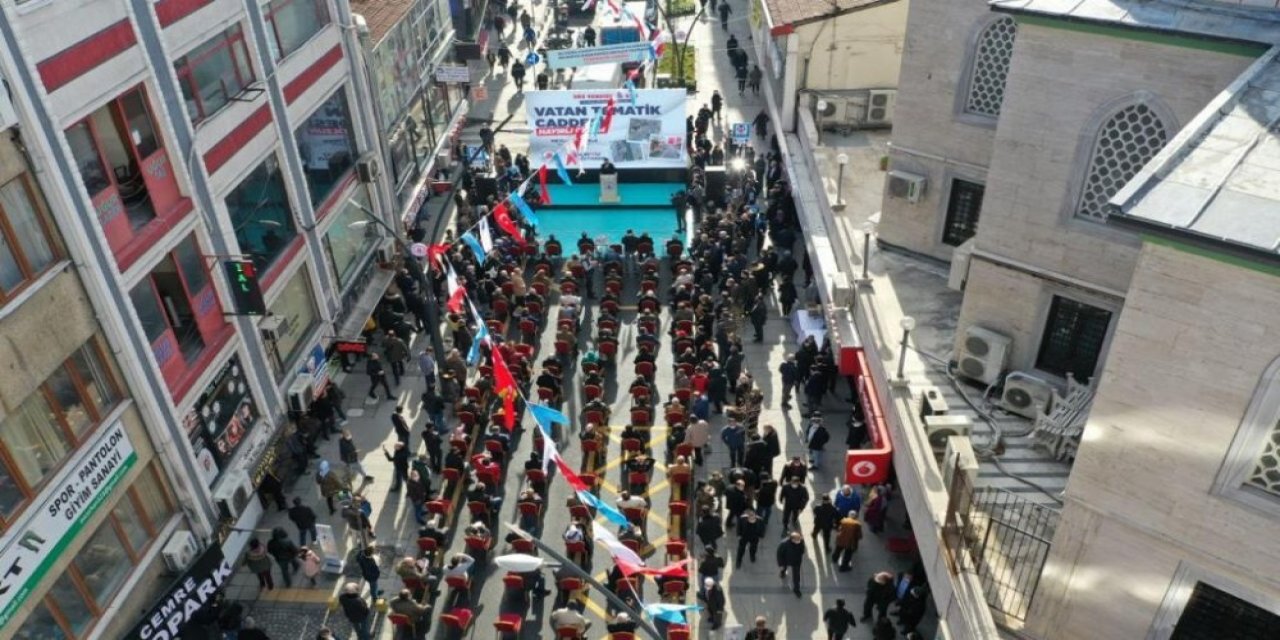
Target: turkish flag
{"type": "Point", "coordinates": [503, 218]}
{"type": "Point", "coordinates": [542, 185]}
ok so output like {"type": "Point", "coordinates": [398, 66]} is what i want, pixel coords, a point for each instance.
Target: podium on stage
{"type": "Point", "coordinates": [608, 182]}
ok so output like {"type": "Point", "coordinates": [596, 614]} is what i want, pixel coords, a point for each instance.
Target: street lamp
{"type": "Point", "coordinates": [841, 160]}
{"type": "Point", "coordinates": [868, 229]}
{"type": "Point", "coordinates": [907, 323]}
{"type": "Point", "coordinates": [822, 108]}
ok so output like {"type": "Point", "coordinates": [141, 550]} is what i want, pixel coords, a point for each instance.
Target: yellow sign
{"type": "Point", "coordinates": [757, 13]}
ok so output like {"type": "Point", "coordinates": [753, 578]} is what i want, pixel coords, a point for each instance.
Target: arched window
{"type": "Point", "coordinates": [990, 67]}
{"type": "Point", "coordinates": [1251, 471]}
{"type": "Point", "coordinates": [1126, 141]}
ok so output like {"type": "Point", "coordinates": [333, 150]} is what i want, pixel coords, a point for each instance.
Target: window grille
{"type": "Point", "coordinates": [1213, 614]}
{"type": "Point", "coordinates": [1125, 143]}
{"type": "Point", "coordinates": [1073, 338]}
{"type": "Point", "coordinates": [1266, 475]}
{"type": "Point", "coordinates": [991, 68]}
{"type": "Point", "coordinates": [963, 209]}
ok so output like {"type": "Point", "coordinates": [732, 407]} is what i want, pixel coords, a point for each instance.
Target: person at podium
{"type": "Point", "coordinates": [607, 168]}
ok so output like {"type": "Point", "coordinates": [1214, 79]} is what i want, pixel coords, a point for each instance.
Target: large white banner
{"type": "Point", "coordinates": [649, 133]}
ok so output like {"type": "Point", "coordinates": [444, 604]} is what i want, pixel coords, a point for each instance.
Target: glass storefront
{"type": "Point", "coordinates": [297, 307]}
{"type": "Point", "coordinates": [220, 419]}
{"type": "Point", "coordinates": [351, 237]}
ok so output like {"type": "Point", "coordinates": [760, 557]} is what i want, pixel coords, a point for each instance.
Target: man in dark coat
{"type": "Point", "coordinates": [305, 519]}
{"type": "Point", "coordinates": [750, 531]}
{"type": "Point", "coordinates": [816, 438]}
{"type": "Point", "coordinates": [790, 375]}
{"type": "Point", "coordinates": [712, 596]}
{"type": "Point", "coordinates": [377, 376]}
{"type": "Point", "coordinates": [791, 553]}
{"type": "Point", "coordinates": [736, 502]}
{"type": "Point", "coordinates": [880, 593]}
{"type": "Point", "coordinates": [399, 459]}
{"type": "Point", "coordinates": [825, 518]}
{"type": "Point", "coordinates": [355, 609]}
{"type": "Point", "coordinates": [795, 497]}
{"type": "Point", "coordinates": [838, 620]}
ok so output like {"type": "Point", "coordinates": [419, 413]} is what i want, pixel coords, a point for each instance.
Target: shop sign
{"type": "Point", "coordinates": [646, 129]}
{"type": "Point", "coordinates": [220, 419]}
{"type": "Point", "coordinates": [455, 73]}
{"type": "Point", "coordinates": [69, 502]}
{"type": "Point", "coordinates": [191, 593]}
{"type": "Point", "coordinates": [741, 132]}
{"type": "Point", "coordinates": [358, 347]}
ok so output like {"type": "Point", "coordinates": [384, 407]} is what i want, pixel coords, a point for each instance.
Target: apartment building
{"type": "Point", "coordinates": [212, 167]}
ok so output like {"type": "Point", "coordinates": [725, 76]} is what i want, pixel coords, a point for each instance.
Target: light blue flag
{"type": "Point", "coordinates": [670, 612]}
{"type": "Point", "coordinates": [524, 208]}
{"type": "Point", "coordinates": [560, 170]}
{"type": "Point", "coordinates": [475, 245]}
{"type": "Point", "coordinates": [473, 356]}
{"type": "Point", "coordinates": [594, 128]}
{"type": "Point", "coordinates": [631, 87]}
{"type": "Point", "coordinates": [611, 514]}
{"type": "Point", "coordinates": [545, 416]}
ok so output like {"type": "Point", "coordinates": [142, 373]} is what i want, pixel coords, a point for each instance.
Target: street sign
{"type": "Point", "coordinates": [741, 132]}
{"type": "Point", "coordinates": [532, 59]}
{"type": "Point", "coordinates": [453, 73]}
{"type": "Point", "coordinates": [246, 294]}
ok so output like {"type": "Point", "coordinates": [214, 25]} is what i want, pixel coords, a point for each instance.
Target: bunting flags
{"type": "Point", "coordinates": [470, 239]}
{"type": "Point", "coordinates": [509, 409]}
{"type": "Point", "coordinates": [435, 253]}
{"type": "Point", "coordinates": [569, 476]}
{"type": "Point", "coordinates": [608, 114]}
{"type": "Point", "coordinates": [486, 234]}
{"type": "Point", "coordinates": [560, 170]}
{"type": "Point", "coordinates": [543, 194]}
{"type": "Point", "coordinates": [676, 570]}
{"type": "Point", "coordinates": [616, 549]}
{"type": "Point", "coordinates": [586, 6]}
{"type": "Point", "coordinates": [525, 210]}
{"type": "Point", "coordinates": [545, 416]}
{"type": "Point", "coordinates": [456, 292]}
{"type": "Point", "coordinates": [502, 379]}
{"type": "Point", "coordinates": [482, 336]}
{"type": "Point", "coordinates": [631, 88]}
{"type": "Point", "coordinates": [578, 133]}
{"type": "Point", "coordinates": [608, 511]}
{"type": "Point", "coordinates": [503, 218]}
{"type": "Point", "coordinates": [549, 452]}
{"type": "Point", "coordinates": [670, 612]}
{"type": "Point", "coordinates": [594, 127]}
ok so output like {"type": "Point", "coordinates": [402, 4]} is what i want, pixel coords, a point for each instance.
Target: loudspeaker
{"type": "Point", "coordinates": [716, 180]}
{"type": "Point", "coordinates": [485, 186]}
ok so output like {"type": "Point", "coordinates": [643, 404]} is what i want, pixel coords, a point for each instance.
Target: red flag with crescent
{"type": "Point", "coordinates": [543, 194]}
{"type": "Point", "coordinates": [435, 252]}
{"type": "Point", "coordinates": [503, 218]}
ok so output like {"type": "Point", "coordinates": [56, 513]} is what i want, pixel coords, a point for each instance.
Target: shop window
{"type": "Point", "coordinates": [68, 604]}
{"type": "Point", "coordinates": [104, 562]}
{"type": "Point", "coordinates": [261, 214]}
{"type": "Point", "coordinates": [293, 22]}
{"type": "Point", "coordinates": [351, 237]}
{"type": "Point", "coordinates": [153, 498]}
{"type": "Point", "coordinates": [963, 208]}
{"type": "Point", "coordinates": [26, 250]}
{"type": "Point", "coordinates": [58, 416]}
{"type": "Point", "coordinates": [178, 309]}
{"type": "Point", "coordinates": [124, 168]}
{"type": "Point", "coordinates": [41, 625]}
{"type": "Point", "coordinates": [327, 146]}
{"type": "Point", "coordinates": [1073, 337]}
{"type": "Point", "coordinates": [214, 73]}
{"type": "Point", "coordinates": [296, 305]}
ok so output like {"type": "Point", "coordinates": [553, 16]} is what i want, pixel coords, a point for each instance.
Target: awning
{"type": "Point", "coordinates": [365, 304]}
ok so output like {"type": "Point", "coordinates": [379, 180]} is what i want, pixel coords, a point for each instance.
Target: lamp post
{"type": "Point", "coordinates": [822, 108]}
{"type": "Point", "coordinates": [868, 229]}
{"type": "Point", "coordinates": [907, 323]}
{"type": "Point", "coordinates": [841, 160]}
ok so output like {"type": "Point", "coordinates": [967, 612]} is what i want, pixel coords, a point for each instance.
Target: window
{"type": "Point", "coordinates": [1125, 143]}
{"type": "Point", "coordinates": [154, 500]}
{"type": "Point", "coordinates": [214, 73]}
{"type": "Point", "coordinates": [962, 212]}
{"type": "Point", "coordinates": [66, 598]}
{"type": "Point", "coordinates": [25, 248]}
{"type": "Point", "coordinates": [1073, 337]}
{"type": "Point", "coordinates": [327, 147]}
{"type": "Point", "coordinates": [261, 214]}
{"type": "Point", "coordinates": [40, 625]}
{"type": "Point", "coordinates": [297, 306]}
{"type": "Point", "coordinates": [293, 22]}
{"type": "Point", "coordinates": [177, 308]}
{"type": "Point", "coordinates": [990, 68]}
{"type": "Point", "coordinates": [60, 414]}
{"type": "Point", "coordinates": [1266, 474]}
{"type": "Point", "coordinates": [104, 562]}
{"type": "Point", "coordinates": [1211, 614]}
{"type": "Point", "coordinates": [351, 237]}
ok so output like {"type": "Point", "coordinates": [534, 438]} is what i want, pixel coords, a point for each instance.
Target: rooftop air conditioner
{"type": "Point", "coordinates": [906, 186]}
{"type": "Point", "coordinates": [367, 168]}
{"type": "Point", "coordinates": [233, 494]}
{"type": "Point", "coordinates": [982, 354]}
{"type": "Point", "coordinates": [939, 428]}
{"type": "Point", "coordinates": [1026, 395]}
{"type": "Point", "coordinates": [180, 551]}
{"type": "Point", "coordinates": [880, 107]}
{"type": "Point", "coordinates": [959, 458]}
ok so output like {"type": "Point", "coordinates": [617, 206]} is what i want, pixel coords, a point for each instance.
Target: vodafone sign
{"type": "Point", "coordinates": [866, 466]}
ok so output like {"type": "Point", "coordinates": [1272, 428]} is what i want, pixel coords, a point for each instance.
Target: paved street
{"type": "Point", "coordinates": [752, 590]}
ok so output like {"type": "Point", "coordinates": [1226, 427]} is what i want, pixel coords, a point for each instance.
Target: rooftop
{"type": "Point", "coordinates": [1218, 181]}
{"type": "Point", "coordinates": [381, 15]}
{"type": "Point", "coordinates": [802, 11]}
{"type": "Point", "coordinates": [1226, 19]}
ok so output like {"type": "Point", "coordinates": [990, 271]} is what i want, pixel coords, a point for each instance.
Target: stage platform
{"type": "Point", "coordinates": [643, 207]}
{"type": "Point", "coordinates": [638, 195]}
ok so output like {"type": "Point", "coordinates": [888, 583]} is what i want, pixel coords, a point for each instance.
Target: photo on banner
{"type": "Point", "coordinates": [649, 133]}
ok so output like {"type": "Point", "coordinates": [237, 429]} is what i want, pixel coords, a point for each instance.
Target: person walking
{"type": "Point", "coordinates": [331, 483]}
{"type": "Point", "coordinates": [846, 500]}
{"type": "Point", "coordinates": [750, 531]}
{"type": "Point", "coordinates": [401, 426]}
{"type": "Point", "coordinates": [791, 553]}
{"type": "Point", "coordinates": [795, 497]}
{"type": "Point", "coordinates": [259, 562]}
{"type": "Point", "coordinates": [740, 74]}
{"type": "Point", "coordinates": [397, 353]}
{"type": "Point", "coordinates": [825, 518]}
{"type": "Point", "coordinates": [369, 570]}
{"type": "Point", "coordinates": [589, 36]}
{"type": "Point", "coordinates": [717, 104]}
{"type": "Point", "coordinates": [311, 564]}
{"type": "Point", "coordinates": [697, 435]}
{"type": "Point", "coordinates": [883, 630]}
{"type": "Point", "coordinates": [517, 74]}
{"type": "Point", "coordinates": [880, 593]}
{"type": "Point", "coordinates": [733, 435]}
{"type": "Point", "coordinates": [725, 10]}
{"type": "Point", "coordinates": [427, 367]}
{"type": "Point", "coordinates": [838, 620]}
{"type": "Point", "coordinates": [787, 296]}
{"type": "Point", "coordinates": [377, 376]}
{"type": "Point", "coordinates": [356, 610]}
{"type": "Point", "coordinates": [816, 438]}
{"type": "Point", "coordinates": [709, 529]}
{"type": "Point", "coordinates": [285, 553]}
{"type": "Point", "coordinates": [848, 534]}
{"type": "Point", "coordinates": [350, 456]}
{"type": "Point", "coordinates": [735, 502]}
{"type": "Point", "coordinates": [713, 598]}
{"type": "Point", "coordinates": [790, 375]}
{"type": "Point", "coordinates": [761, 125]}
{"type": "Point", "coordinates": [304, 518]}
{"type": "Point", "coordinates": [753, 80]}
{"type": "Point", "coordinates": [399, 459]}
{"type": "Point", "coordinates": [766, 497]}
{"type": "Point", "coordinates": [758, 314]}
{"type": "Point", "coordinates": [911, 609]}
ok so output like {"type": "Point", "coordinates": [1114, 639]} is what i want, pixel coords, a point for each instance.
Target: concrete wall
{"type": "Point", "coordinates": [1187, 355]}
{"type": "Point", "coordinates": [859, 50]}
{"type": "Point", "coordinates": [931, 135]}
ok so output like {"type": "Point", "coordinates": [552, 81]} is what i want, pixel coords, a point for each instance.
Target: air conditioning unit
{"type": "Point", "coordinates": [271, 327]}
{"type": "Point", "coordinates": [982, 354]}
{"type": "Point", "coordinates": [959, 457]}
{"type": "Point", "coordinates": [960, 257]}
{"type": "Point", "coordinates": [938, 428]}
{"type": "Point", "coordinates": [233, 494]}
{"type": "Point", "coordinates": [387, 251]}
{"type": "Point", "coordinates": [8, 115]}
{"type": "Point", "coordinates": [301, 395]}
{"type": "Point", "coordinates": [367, 168]}
{"type": "Point", "coordinates": [880, 107]}
{"type": "Point", "coordinates": [1026, 395]}
{"type": "Point", "coordinates": [180, 551]}
{"type": "Point", "coordinates": [907, 186]}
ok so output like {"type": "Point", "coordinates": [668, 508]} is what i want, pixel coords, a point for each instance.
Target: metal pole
{"type": "Point", "coordinates": [866, 254]}
{"type": "Point", "coordinates": [840, 186]}
{"type": "Point", "coordinates": [586, 577]}
{"type": "Point", "coordinates": [902, 353]}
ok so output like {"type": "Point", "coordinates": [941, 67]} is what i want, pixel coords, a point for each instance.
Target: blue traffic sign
{"type": "Point", "coordinates": [532, 59]}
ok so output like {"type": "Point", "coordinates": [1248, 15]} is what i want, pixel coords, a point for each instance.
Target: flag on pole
{"type": "Point", "coordinates": [502, 380]}
{"type": "Point", "coordinates": [578, 134]}
{"type": "Point", "coordinates": [509, 409]}
{"type": "Point", "coordinates": [503, 218]}
{"type": "Point", "coordinates": [616, 549]}
{"type": "Point", "coordinates": [470, 239]}
{"type": "Point", "coordinates": [560, 170]}
{"type": "Point", "coordinates": [456, 292]}
{"type": "Point", "coordinates": [676, 570]}
{"type": "Point", "coordinates": [486, 234]}
{"type": "Point", "coordinates": [543, 194]}
{"type": "Point", "coordinates": [482, 335]}
{"type": "Point", "coordinates": [525, 210]}
{"type": "Point", "coordinates": [435, 253]}
{"type": "Point", "coordinates": [549, 451]}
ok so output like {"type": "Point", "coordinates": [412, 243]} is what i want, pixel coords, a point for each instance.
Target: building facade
{"type": "Point", "coordinates": [190, 150]}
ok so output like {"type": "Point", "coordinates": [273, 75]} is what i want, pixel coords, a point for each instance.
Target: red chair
{"type": "Point", "coordinates": [684, 395]}
{"type": "Point", "coordinates": [473, 393]}
{"type": "Point", "coordinates": [681, 478]}
{"type": "Point", "coordinates": [427, 545]}
{"type": "Point", "coordinates": [552, 248]}
{"type": "Point", "coordinates": [608, 349]}
{"type": "Point", "coordinates": [580, 511]}
{"type": "Point", "coordinates": [641, 418]}
{"type": "Point", "coordinates": [678, 508]}
{"type": "Point", "coordinates": [626, 585]}
{"type": "Point", "coordinates": [622, 635]}
{"type": "Point", "coordinates": [513, 581]}
{"type": "Point", "coordinates": [458, 583]}
{"type": "Point", "coordinates": [613, 286]}
{"type": "Point", "coordinates": [632, 446]}
{"type": "Point", "coordinates": [675, 588]}
{"type": "Point", "coordinates": [528, 329]}
{"type": "Point", "coordinates": [536, 476]}
{"type": "Point", "coordinates": [648, 305]}
{"type": "Point", "coordinates": [508, 623]}
{"type": "Point", "coordinates": [577, 270]}
{"type": "Point", "coordinates": [508, 288]}
{"type": "Point", "coordinates": [592, 391]}
{"type": "Point", "coordinates": [588, 479]}
{"type": "Point", "coordinates": [685, 325]}
{"type": "Point", "coordinates": [439, 506]}
{"type": "Point", "coordinates": [678, 632]}
{"type": "Point", "coordinates": [534, 306]}
{"type": "Point", "coordinates": [478, 543]}
{"type": "Point", "coordinates": [594, 416]}
{"type": "Point", "coordinates": [683, 344]}
{"type": "Point", "coordinates": [575, 547]}
{"type": "Point", "coordinates": [635, 515]}
{"type": "Point", "coordinates": [649, 326]}
{"type": "Point", "coordinates": [631, 543]}
{"type": "Point", "coordinates": [461, 444]}
{"type": "Point", "coordinates": [500, 306]}
{"type": "Point", "coordinates": [688, 370]}
{"type": "Point", "coordinates": [644, 247]}
{"type": "Point", "coordinates": [610, 306]}
{"type": "Point", "coordinates": [591, 367]}
{"type": "Point", "coordinates": [460, 618]}
{"type": "Point", "coordinates": [645, 369]}
{"type": "Point", "coordinates": [563, 348]}
{"type": "Point", "coordinates": [570, 584]}
{"type": "Point", "coordinates": [684, 449]}
{"type": "Point", "coordinates": [567, 633]}
{"type": "Point", "coordinates": [640, 395]}
{"type": "Point", "coordinates": [529, 508]}
{"type": "Point", "coordinates": [590, 445]}
{"type": "Point", "coordinates": [546, 394]}
{"type": "Point", "coordinates": [568, 287]}
{"type": "Point", "coordinates": [451, 475]}
{"type": "Point", "coordinates": [638, 479]}
{"type": "Point", "coordinates": [478, 509]}
{"type": "Point", "coordinates": [495, 448]}
{"type": "Point", "coordinates": [677, 550]}
{"type": "Point", "coordinates": [674, 418]}
{"type": "Point", "coordinates": [467, 418]}
{"type": "Point", "coordinates": [401, 621]}
{"type": "Point", "coordinates": [522, 545]}
{"type": "Point", "coordinates": [605, 324]}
